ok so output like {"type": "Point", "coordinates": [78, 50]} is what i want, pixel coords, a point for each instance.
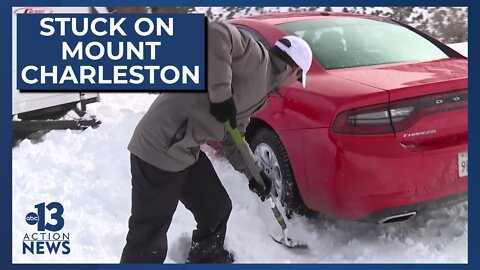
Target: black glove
{"type": "Point", "coordinates": [262, 192]}
{"type": "Point", "coordinates": [224, 111]}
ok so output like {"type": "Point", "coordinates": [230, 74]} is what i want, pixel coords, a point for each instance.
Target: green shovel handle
{"type": "Point", "coordinates": [249, 160]}
{"type": "Point", "coordinates": [235, 134]}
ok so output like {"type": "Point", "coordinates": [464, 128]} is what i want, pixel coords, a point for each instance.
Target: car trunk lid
{"type": "Point", "coordinates": [428, 100]}
{"type": "Point", "coordinates": [396, 76]}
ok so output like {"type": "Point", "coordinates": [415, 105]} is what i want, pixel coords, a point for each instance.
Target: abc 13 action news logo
{"type": "Point", "coordinates": [48, 237]}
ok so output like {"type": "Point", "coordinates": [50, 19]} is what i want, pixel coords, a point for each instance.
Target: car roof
{"type": "Point", "coordinates": [286, 17]}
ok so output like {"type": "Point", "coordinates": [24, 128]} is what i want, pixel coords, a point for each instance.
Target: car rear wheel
{"type": "Point", "coordinates": [273, 158]}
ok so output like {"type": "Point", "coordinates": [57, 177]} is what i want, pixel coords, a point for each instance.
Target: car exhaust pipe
{"type": "Point", "coordinates": [397, 218]}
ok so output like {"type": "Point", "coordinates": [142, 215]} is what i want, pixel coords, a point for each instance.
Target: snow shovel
{"type": "Point", "coordinates": [255, 170]}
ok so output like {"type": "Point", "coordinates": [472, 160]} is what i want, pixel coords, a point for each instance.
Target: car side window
{"type": "Point", "coordinates": [249, 31]}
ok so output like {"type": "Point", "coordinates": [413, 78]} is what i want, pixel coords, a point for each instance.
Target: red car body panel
{"type": "Point", "coordinates": [354, 176]}
{"type": "Point", "coordinates": [394, 76]}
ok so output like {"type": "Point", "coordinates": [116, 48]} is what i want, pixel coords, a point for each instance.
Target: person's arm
{"type": "Point", "coordinates": [219, 62]}
{"type": "Point", "coordinates": [222, 105]}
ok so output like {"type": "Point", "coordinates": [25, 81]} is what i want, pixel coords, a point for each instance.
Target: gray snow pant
{"type": "Point", "coordinates": [155, 195]}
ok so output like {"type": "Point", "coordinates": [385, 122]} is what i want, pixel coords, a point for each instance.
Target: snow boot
{"type": "Point", "coordinates": [223, 256]}
{"type": "Point", "coordinates": [218, 255]}
{"type": "Point", "coordinates": [210, 250]}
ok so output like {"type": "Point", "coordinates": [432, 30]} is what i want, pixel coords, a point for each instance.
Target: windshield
{"type": "Point", "coordinates": [355, 42]}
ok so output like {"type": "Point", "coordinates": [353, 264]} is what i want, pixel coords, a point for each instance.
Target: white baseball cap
{"type": "Point", "coordinates": [299, 51]}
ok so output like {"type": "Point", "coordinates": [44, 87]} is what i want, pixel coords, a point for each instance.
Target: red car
{"type": "Point", "coordinates": [381, 131]}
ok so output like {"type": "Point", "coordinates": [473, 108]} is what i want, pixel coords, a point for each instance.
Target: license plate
{"type": "Point", "coordinates": [463, 164]}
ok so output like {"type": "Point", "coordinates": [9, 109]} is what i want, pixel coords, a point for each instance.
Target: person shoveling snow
{"type": "Point", "coordinates": [167, 165]}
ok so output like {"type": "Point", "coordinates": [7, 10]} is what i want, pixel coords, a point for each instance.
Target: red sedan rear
{"type": "Point", "coordinates": [380, 132]}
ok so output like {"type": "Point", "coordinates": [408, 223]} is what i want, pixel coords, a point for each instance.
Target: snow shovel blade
{"type": "Point", "coordinates": [289, 243]}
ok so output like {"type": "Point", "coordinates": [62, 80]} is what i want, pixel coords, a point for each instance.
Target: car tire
{"type": "Point", "coordinates": [266, 142]}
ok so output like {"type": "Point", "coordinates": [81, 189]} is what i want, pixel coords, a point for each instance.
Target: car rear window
{"type": "Point", "coordinates": [355, 42]}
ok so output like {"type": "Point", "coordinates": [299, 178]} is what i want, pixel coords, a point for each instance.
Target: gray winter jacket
{"type": "Point", "coordinates": [176, 124]}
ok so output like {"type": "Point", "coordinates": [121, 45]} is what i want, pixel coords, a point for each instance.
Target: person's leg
{"type": "Point", "coordinates": [204, 195]}
{"type": "Point", "coordinates": [155, 195]}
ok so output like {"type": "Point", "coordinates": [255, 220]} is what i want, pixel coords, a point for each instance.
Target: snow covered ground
{"type": "Point", "coordinates": [88, 172]}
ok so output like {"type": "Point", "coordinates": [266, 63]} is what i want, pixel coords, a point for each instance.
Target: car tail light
{"type": "Point", "coordinates": [398, 115]}
{"type": "Point", "coordinates": [366, 120]}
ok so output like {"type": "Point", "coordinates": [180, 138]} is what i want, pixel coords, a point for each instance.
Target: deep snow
{"type": "Point", "coordinates": [88, 172]}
